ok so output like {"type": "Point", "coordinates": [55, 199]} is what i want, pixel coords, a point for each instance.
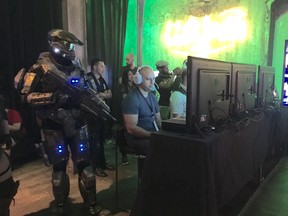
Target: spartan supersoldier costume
{"type": "Point", "coordinates": [57, 85]}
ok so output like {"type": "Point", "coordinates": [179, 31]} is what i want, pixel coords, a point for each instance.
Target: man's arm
{"type": "Point", "coordinates": [176, 105]}
{"type": "Point", "coordinates": [176, 115]}
{"type": "Point", "coordinates": [131, 121]}
{"type": "Point", "coordinates": [167, 83]}
{"type": "Point", "coordinates": [14, 127]}
{"type": "Point", "coordinates": [107, 94]}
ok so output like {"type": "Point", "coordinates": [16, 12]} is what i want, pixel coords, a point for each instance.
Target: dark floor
{"type": "Point", "coordinates": [234, 207]}
{"type": "Point", "coordinates": [34, 195]}
{"type": "Point", "coordinates": [271, 197]}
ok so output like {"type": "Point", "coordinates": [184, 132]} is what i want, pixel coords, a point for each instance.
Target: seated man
{"type": "Point", "coordinates": [141, 111]}
{"type": "Point", "coordinates": [178, 98]}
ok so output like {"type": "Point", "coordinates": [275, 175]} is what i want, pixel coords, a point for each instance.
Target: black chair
{"type": "Point", "coordinates": [121, 142]}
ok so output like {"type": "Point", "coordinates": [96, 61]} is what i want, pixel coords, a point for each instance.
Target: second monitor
{"type": "Point", "coordinates": [244, 87]}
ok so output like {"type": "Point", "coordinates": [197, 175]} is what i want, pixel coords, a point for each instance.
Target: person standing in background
{"type": "Point", "coordinates": [165, 81]}
{"type": "Point", "coordinates": [97, 130]}
{"type": "Point", "coordinates": [14, 120]}
{"type": "Point", "coordinates": [127, 83]}
{"type": "Point", "coordinates": [130, 66]}
{"type": "Point", "coordinates": [8, 187]}
{"type": "Point", "coordinates": [178, 98]}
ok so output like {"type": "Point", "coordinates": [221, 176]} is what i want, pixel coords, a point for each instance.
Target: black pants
{"type": "Point", "coordinates": [97, 151]}
{"type": "Point", "coordinates": [96, 140]}
{"type": "Point", "coordinates": [141, 146]}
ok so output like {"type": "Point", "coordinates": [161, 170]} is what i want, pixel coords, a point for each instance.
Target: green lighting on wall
{"type": "Point", "coordinates": [202, 36]}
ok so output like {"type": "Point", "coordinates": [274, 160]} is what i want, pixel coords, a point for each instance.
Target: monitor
{"type": "Point", "coordinates": [266, 79]}
{"type": "Point", "coordinates": [243, 87]}
{"type": "Point", "coordinates": [208, 91]}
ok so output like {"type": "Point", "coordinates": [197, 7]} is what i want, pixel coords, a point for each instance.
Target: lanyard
{"type": "Point", "coordinates": [151, 108]}
{"type": "Point", "coordinates": [149, 105]}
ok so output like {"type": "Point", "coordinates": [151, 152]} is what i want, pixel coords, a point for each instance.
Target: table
{"type": "Point", "coordinates": [188, 175]}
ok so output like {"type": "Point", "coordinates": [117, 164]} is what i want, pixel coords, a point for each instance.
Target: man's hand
{"type": "Point", "coordinates": [177, 71]}
{"type": "Point", "coordinates": [101, 95]}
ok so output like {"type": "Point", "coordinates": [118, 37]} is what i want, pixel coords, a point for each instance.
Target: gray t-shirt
{"type": "Point", "coordinates": [146, 108]}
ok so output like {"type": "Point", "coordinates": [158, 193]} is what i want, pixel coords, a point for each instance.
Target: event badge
{"type": "Point", "coordinates": [155, 125]}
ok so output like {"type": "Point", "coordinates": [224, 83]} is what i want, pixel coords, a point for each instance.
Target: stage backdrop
{"type": "Point", "coordinates": [234, 30]}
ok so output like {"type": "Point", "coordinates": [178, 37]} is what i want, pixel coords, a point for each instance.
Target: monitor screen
{"type": "Point", "coordinates": [243, 87]}
{"type": "Point", "coordinates": [266, 77]}
{"type": "Point", "coordinates": [208, 90]}
{"type": "Point", "coordinates": [285, 88]}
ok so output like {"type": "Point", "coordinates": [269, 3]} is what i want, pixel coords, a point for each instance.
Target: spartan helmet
{"type": "Point", "coordinates": [63, 43]}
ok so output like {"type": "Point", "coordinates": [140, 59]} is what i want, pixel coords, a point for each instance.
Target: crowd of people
{"type": "Point", "coordinates": [70, 121]}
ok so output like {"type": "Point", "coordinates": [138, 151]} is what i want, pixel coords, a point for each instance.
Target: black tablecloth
{"type": "Point", "coordinates": [187, 175]}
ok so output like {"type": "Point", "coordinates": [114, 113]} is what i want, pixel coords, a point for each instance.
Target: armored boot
{"type": "Point", "coordinates": [99, 211]}
{"type": "Point", "coordinates": [61, 188]}
{"type": "Point", "coordinates": [87, 187]}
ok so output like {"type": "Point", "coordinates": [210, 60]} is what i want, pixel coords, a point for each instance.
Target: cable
{"type": "Point", "coordinates": [198, 130]}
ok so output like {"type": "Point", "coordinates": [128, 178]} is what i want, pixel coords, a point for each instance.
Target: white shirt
{"type": "Point", "coordinates": [178, 103]}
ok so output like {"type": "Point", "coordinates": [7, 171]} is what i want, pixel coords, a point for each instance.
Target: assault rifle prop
{"type": "Point", "coordinates": [87, 98]}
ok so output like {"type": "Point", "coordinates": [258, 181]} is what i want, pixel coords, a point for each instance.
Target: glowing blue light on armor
{"type": "Point", "coordinates": [74, 81]}
{"type": "Point", "coordinates": [59, 149]}
{"type": "Point", "coordinates": [81, 147]}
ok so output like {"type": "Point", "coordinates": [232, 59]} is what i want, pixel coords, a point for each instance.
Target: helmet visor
{"type": "Point", "coordinates": [71, 47]}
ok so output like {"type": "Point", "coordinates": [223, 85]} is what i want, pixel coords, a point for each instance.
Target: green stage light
{"type": "Point", "coordinates": [203, 36]}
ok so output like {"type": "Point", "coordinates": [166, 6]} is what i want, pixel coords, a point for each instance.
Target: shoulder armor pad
{"type": "Point", "coordinates": [35, 66]}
